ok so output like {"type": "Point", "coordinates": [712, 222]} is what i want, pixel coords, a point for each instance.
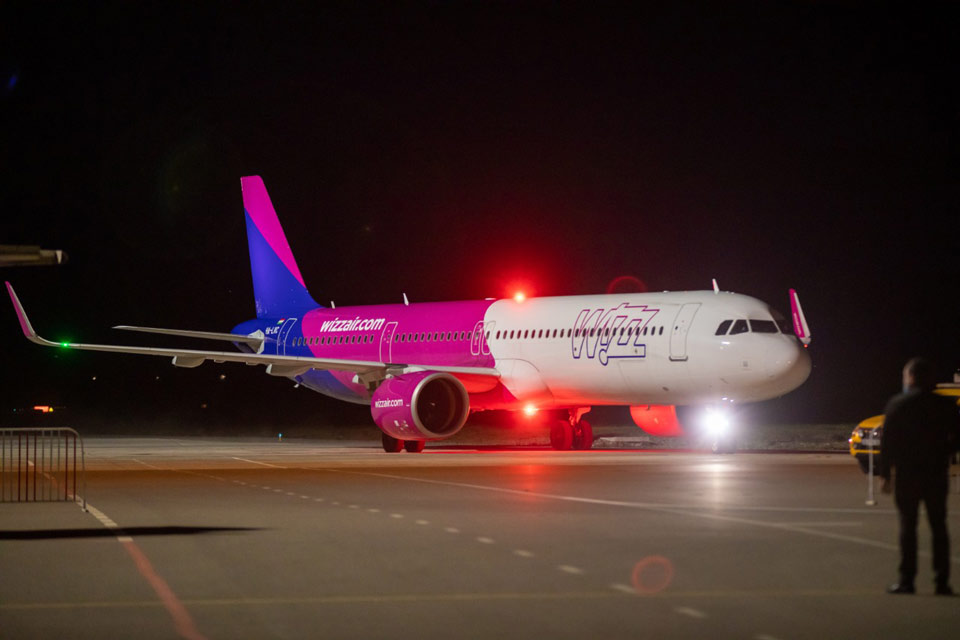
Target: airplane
{"type": "Point", "coordinates": [424, 367]}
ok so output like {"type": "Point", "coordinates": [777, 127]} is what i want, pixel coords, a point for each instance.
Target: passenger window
{"type": "Point", "coordinates": [763, 326]}
{"type": "Point", "coordinates": [740, 326]}
{"type": "Point", "coordinates": [724, 326]}
{"type": "Point", "coordinates": [661, 330]}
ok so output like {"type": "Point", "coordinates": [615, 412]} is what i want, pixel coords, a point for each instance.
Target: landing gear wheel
{"type": "Point", "coordinates": [414, 446]}
{"type": "Point", "coordinates": [391, 444]}
{"type": "Point", "coordinates": [582, 436]}
{"type": "Point", "coordinates": [561, 436]}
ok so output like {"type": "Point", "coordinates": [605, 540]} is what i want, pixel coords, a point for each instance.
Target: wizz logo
{"type": "Point", "coordinates": [612, 333]}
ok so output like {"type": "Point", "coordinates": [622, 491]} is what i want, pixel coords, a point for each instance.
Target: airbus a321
{"type": "Point", "coordinates": [423, 367]}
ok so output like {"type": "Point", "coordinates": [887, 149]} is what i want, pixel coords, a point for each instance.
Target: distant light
{"type": "Point", "coordinates": [64, 344]}
{"type": "Point", "coordinates": [530, 410]}
{"type": "Point", "coordinates": [223, 376]}
{"type": "Point", "coordinates": [43, 408]}
{"type": "Point", "coordinates": [519, 296]}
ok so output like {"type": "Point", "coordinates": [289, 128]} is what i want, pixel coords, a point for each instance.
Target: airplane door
{"type": "Point", "coordinates": [678, 334]}
{"type": "Point", "coordinates": [386, 342]}
{"type": "Point", "coordinates": [478, 344]}
{"type": "Point", "coordinates": [282, 336]}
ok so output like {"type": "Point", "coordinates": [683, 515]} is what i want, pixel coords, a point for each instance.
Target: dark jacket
{"type": "Point", "coordinates": [921, 431]}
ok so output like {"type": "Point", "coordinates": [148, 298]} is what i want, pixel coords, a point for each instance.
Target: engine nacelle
{"type": "Point", "coordinates": [657, 419]}
{"type": "Point", "coordinates": [426, 405]}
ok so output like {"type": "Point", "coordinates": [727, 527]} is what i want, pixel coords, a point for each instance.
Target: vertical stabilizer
{"type": "Point", "coordinates": [278, 287]}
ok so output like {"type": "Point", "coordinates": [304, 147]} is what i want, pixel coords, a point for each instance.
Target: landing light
{"type": "Point", "coordinates": [715, 423]}
{"type": "Point", "coordinates": [529, 410]}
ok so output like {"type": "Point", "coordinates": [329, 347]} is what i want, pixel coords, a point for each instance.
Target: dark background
{"type": "Point", "coordinates": [454, 150]}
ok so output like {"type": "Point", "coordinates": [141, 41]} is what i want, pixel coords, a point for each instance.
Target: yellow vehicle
{"type": "Point", "coordinates": [865, 438]}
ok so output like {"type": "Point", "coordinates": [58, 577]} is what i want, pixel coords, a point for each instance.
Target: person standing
{"type": "Point", "coordinates": [921, 430]}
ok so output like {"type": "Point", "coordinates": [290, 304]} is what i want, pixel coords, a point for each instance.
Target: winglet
{"type": "Point", "coordinates": [800, 326]}
{"type": "Point", "coordinates": [25, 325]}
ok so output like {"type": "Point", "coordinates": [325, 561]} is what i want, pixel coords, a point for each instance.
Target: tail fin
{"type": "Point", "coordinates": [278, 287]}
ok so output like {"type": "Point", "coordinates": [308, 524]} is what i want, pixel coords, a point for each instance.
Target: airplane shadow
{"type": "Point", "coordinates": [100, 532]}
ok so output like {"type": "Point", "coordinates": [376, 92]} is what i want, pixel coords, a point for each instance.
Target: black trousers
{"type": "Point", "coordinates": [910, 491]}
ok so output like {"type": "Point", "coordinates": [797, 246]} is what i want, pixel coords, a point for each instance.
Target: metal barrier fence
{"type": "Point", "coordinates": [41, 465]}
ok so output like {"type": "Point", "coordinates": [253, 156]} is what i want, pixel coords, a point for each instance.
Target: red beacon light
{"type": "Point", "coordinates": [519, 296]}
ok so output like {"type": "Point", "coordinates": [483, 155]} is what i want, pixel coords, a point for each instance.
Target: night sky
{"type": "Point", "coordinates": [454, 150]}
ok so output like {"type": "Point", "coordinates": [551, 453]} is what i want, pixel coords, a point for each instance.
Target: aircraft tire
{"type": "Point", "coordinates": [414, 446]}
{"type": "Point", "coordinates": [583, 436]}
{"type": "Point", "coordinates": [561, 436]}
{"type": "Point", "coordinates": [391, 444]}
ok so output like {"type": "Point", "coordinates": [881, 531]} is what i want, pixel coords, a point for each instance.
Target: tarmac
{"type": "Point", "coordinates": [239, 538]}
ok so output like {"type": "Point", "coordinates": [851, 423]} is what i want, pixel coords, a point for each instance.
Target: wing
{"type": "Point", "coordinates": [276, 365]}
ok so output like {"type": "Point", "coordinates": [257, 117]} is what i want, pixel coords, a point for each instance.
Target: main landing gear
{"type": "Point", "coordinates": [394, 445]}
{"type": "Point", "coordinates": [572, 433]}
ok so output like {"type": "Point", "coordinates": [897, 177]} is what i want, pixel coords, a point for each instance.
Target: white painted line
{"type": "Point", "coordinates": [304, 497]}
{"type": "Point", "coordinates": [353, 506]}
{"type": "Point", "coordinates": [623, 588]}
{"type": "Point", "coordinates": [523, 553]}
{"type": "Point", "coordinates": [423, 522]}
{"type": "Point", "coordinates": [147, 465]}
{"type": "Point", "coordinates": [566, 568]}
{"type": "Point", "coordinates": [451, 530]}
{"type": "Point", "coordinates": [265, 464]}
{"type": "Point", "coordinates": [291, 493]}
{"type": "Point", "coordinates": [764, 636]}
{"type": "Point", "coordinates": [335, 503]}
{"type": "Point", "coordinates": [822, 524]}
{"type": "Point", "coordinates": [318, 499]}
{"type": "Point", "coordinates": [485, 540]}
{"type": "Point", "coordinates": [396, 515]}
{"type": "Point", "coordinates": [278, 490]}
{"type": "Point", "coordinates": [373, 510]}
{"type": "Point", "coordinates": [692, 511]}
{"type": "Point", "coordinates": [690, 612]}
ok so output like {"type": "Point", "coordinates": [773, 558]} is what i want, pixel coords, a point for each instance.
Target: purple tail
{"type": "Point", "coordinates": [278, 287]}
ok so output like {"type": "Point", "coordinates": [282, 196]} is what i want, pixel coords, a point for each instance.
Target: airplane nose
{"type": "Point", "coordinates": [790, 365]}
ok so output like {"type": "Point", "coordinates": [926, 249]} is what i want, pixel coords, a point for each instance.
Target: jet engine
{"type": "Point", "coordinates": [426, 405]}
{"type": "Point", "coordinates": [657, 419]}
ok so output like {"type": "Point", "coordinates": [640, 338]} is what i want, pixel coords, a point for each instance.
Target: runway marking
{"type": "Point", "coordinates": [318, 499]}
{"type": "Point", "coordinates": [622, 589]}
{"type": "Point", "coordinates": [423, 522]}
{"type": "Point", "coordinates": [373, 510]}
{"type": "Point", "coordinates": [690, 612]}
{"type": "Point", "coordinates": [485, 540]}
{"type": "Point", "coordinates": [182, 621]}
{"type": "Point", "coordinates": [764, 636]}
{"type": "Point", "coordinates": [353, 506]}
{"type": "Point", "coordinates": [396, 515]}
{"type": "Point", "coordinates": [265, 464]}
{"type": "Point", "coordinates": [566, 568]}
{"type": "Point", "coordinates": [662, 508]}
{"type": "Point", "coordinates": [347, 599]}
{"type": "Point", "coordinates": [148, 465]}
{"type": "Point", "coordinates": [451, 530]}
{"type": "Point", "coordinates": [823, 524]}
{"type": "Point", "coordinates": [304, 497]}
{"type": "Point", "coordinates": [523, 553]}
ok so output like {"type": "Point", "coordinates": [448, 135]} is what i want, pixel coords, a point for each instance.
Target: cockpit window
{"type": "Point", "coordinates": [763, 326]}
{"type": "Point", "coordinates": [740, 326]}
{"type": "Point", "coordinates": [722, 329]}
{"type": "Point", "coordinates": [782, 321]}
